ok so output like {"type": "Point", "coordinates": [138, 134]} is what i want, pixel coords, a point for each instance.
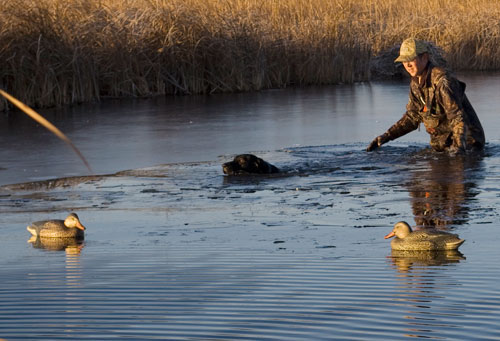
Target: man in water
{"type": "Point", "coordinates": [438, 100]}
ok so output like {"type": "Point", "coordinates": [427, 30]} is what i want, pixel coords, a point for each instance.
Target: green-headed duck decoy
{"type": "Point", "coordinates": [407, 240]}
{"type": "Point", "coordinates": [68, 228]}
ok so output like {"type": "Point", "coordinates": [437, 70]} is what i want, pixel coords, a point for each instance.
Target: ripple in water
{"type": "Point", "coordinates": [180, 252]}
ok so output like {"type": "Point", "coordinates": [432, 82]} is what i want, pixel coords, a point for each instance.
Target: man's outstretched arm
{"type": "Point", "coordinates": [402, 127]}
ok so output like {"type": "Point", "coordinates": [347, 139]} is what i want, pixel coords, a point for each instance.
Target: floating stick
{"type": "Point", "coordinates": [40, 119]}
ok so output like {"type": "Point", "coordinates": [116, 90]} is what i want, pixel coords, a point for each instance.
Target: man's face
{"type": "Point", "coordinates": [417, 66]}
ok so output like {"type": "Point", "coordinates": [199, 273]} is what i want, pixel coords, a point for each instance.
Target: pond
{"type": "Point", "coordinates": [176, 250]}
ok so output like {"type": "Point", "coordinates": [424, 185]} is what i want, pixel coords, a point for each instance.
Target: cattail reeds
{"type": "Point", "coordinates": [55, 52]}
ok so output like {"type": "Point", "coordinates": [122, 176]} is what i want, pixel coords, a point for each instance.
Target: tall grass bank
{"type": "Point", "coordinates": [55, 52]}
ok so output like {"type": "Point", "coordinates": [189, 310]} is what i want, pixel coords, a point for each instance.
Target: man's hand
{"type": "Point", "coordinates": [374, 145]}
{"type": "Point", "coordinates": [378, 141]}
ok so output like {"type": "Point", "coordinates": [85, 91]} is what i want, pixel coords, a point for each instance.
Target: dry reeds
{"type": "Point", "coordinates": [55, 52]}
{"type": "Point", "coordinates": [43, 122]}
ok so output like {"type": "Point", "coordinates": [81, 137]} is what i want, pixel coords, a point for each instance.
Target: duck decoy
{"type": "Point", "coordinates": [68, 228]}
{"type": "Point", "coordinates": [432, 240]}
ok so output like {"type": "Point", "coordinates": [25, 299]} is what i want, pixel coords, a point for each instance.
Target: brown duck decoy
{"type": "Point", "coordinates": [68, 228]}
{"type": "Point", "coordinates": [431, 240]}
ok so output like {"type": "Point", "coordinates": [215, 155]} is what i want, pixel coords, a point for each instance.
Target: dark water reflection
{"type": "Point", "coordinates": [125, 135]}
{"type": "Point", "coordinates": [181, 252]}
{"type": "Point", "coordinates": [119, 135]}
{"type": "Point", "coordinates": [442, 187]}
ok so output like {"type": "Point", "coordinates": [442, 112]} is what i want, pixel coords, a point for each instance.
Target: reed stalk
{"type": "Point", "coordinates": [46, 124]}
{"type": "Point", "coordinates": [56, 52]}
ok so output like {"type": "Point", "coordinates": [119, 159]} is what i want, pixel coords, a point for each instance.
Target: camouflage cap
{"type": "Point", "coordinates": [410, 49]}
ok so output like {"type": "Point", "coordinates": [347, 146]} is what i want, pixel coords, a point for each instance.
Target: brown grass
{"type": "Point", "coordinates": [55, 52]}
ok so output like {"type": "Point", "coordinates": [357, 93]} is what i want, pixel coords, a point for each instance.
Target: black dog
{"type": "Point", "coordinates": [248, 164]}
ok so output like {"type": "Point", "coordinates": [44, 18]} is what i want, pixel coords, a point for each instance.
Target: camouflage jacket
{"type": "Point", "coordinates": [440, 103]}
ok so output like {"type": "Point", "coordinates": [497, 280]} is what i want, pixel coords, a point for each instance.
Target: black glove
{"type": "Point", "coordinates": [378, 141]}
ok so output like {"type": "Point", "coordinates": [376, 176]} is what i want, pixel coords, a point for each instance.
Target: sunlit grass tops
{"type": "Point", "coordinates": [54, 52]}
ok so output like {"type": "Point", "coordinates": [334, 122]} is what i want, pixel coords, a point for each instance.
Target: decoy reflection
{"type": "Point", "coordinates": [69, 245]}
{"type": "Point", "coordinates": [404, 261]}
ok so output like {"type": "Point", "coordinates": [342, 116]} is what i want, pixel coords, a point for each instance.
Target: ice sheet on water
{"type": "Point", "coordinates": [331, 184]}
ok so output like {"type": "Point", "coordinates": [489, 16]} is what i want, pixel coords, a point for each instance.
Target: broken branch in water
{"type": "Point", "coordinates": [40, 119]}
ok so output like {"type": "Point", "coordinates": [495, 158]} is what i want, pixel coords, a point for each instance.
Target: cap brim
{"type": "Point", "coordinates": [402, 59]}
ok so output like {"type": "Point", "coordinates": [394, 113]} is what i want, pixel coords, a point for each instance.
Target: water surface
{"type": "Point", "coordinates": [175, 250]}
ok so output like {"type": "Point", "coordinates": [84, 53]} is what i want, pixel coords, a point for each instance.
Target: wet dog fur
{"type": "Point", "coordinates": [248, 164]}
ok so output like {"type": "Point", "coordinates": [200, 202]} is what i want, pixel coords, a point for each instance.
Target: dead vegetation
{"type": "Point", "coordinates": [55, 52]}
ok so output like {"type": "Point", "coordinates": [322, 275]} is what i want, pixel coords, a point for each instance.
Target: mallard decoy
{"type": "Point", "coordinates": [407, 240]}
{"type": "Point", "coordinates": [68, 228]}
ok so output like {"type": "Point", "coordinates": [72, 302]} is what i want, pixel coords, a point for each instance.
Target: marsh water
{"type": "Point", "coordinates": [176, 250]}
